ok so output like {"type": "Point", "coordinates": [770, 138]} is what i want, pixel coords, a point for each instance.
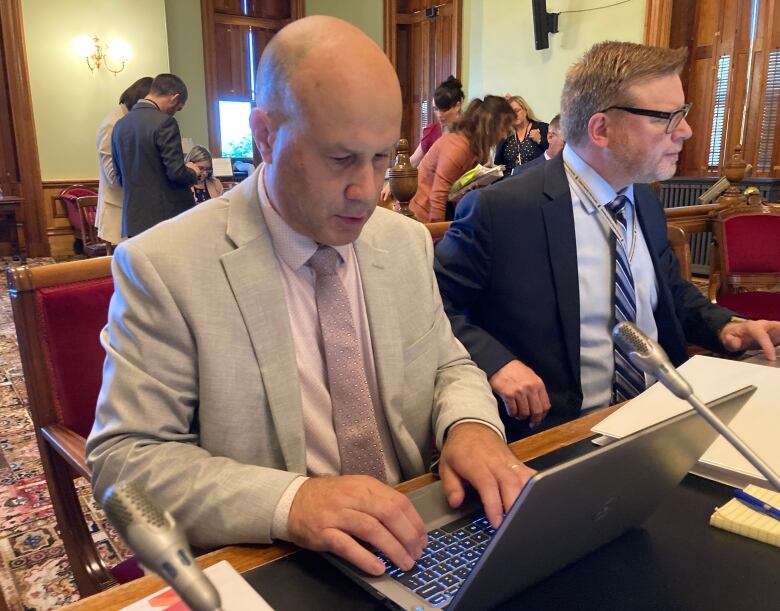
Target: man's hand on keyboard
{"type": "Point", "coordinates": [474, 453]}
{"type": "Point", "coordinates": [328, 513]}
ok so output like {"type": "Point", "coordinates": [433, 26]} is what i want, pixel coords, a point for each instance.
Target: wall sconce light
{"type": "Point", "coordinates": [98, 53]}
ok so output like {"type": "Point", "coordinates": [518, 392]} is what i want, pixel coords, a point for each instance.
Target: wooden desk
{"type": "Point", "coordinates": [246, 557]}
{"type": "Point", "coordinates": [8, 207]}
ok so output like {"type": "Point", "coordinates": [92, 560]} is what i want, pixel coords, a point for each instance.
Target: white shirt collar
{"type": "Point", "coordinates": [601, 190]}
{"type": "Point", "coordinates": [289, 245]}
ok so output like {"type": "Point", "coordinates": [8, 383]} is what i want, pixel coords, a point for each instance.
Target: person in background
{"type": "Point", "coordinates": [148, 158]}
{"type": "Point", "coordinates": [484, 123]}
{"type": "Point", "coordinates": [527, 141]}
{"type": "Point", "coordinates": [535, 271]}
{"type": "Point", "coordinates": [207, 186]}
{"type": "Point", "coordinates": [555, 143]}
{"type": "Point", "coordinates": [447, 103]}
{"type": "Point", "coordinates": [108, 218]}
{"type": "Point", "coordinates": [277, 359]}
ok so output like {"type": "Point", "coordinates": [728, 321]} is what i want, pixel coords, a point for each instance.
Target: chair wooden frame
{"type": "Point", "coordinates": [62, 450]}
{"type": "Point", "coordinates": [438, 229]}
{"type": "Point", "coordinates": [678, 240]}
{"type": "Point", "coordinates": [93, 245]}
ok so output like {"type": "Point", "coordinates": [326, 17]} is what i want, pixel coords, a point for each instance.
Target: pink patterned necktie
{"type": "Point", "coordinates": [354, 421]}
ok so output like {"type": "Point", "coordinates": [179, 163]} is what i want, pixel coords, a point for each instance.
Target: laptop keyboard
{"type": "Point", "coordinates": [452, 552]}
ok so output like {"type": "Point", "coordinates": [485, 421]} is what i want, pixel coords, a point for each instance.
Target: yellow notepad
{"type": "Point", "coordinates": [738, 518]}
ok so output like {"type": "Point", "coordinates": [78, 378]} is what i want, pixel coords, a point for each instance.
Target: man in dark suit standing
{"type": "Point", "coordinates": [146, 147]}
{"type": "Point", "coordinates": [536, 270]}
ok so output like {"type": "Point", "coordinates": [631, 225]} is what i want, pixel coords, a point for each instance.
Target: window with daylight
{"type": "Point", "coordinates": [766, 138]}
{"type": "Point", "coordinates": [234, 133]}
{"type": "Point", "coordinates": [719, 111]}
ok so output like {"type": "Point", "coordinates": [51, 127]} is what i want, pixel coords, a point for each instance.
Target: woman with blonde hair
{"type": "Point", "coordinates": [528, 139]}
{"type": "Point", "coordinates": [207, 186]}
{"type": "Point", "coordinates": [484, 123]}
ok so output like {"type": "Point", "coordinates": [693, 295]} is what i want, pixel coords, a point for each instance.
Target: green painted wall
{"type": "Point", "coordinates": [165, 35]}
{"type": "Point", "coordinates": [365, 14]}
{"type": "Point", "coordinates": [185, 51]}
{"type": "Point", "coordinates": [498, 46]}
{"type": "Point", "coordinates": [69, 102]}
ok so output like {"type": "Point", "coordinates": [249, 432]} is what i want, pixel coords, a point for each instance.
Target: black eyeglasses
{"type": "Point", "coordinates": [673, 118]}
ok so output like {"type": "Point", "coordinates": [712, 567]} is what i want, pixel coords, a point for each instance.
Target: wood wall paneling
{"type": "Point", "coordinates": [19, 139]}
{"type": "Point", "coordinates": [231, 61]}
{"type": "Point", "coordinates": [229, 7]}
{"type": "Point", "coordinates": [658, 22]}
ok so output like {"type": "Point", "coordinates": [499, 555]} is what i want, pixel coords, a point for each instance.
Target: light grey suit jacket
{"type": "Point", "coordinates": [200, 401]}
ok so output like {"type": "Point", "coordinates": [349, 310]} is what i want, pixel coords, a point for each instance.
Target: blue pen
{"type": "Point", "coordinates": [757, 504]}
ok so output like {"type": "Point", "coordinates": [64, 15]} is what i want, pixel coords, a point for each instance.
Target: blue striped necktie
{"type": "Point", "coordinates": [628, 380]}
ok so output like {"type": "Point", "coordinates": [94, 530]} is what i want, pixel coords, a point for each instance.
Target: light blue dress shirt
{"type": "Point", "coordinates": [596, 281]}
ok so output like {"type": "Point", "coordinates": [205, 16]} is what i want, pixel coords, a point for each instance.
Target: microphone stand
{"type": "Point", "coordinates": [734, 439]}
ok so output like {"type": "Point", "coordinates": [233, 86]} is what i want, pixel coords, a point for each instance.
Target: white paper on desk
{"type": "Point", "coordinates": [234, 590]}
{"type": "Point", "coordinates": [758, 423]}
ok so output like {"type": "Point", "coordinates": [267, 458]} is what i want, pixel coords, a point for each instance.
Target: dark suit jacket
{"type": "Point", "coordinates": [519, 169]}
{"type": "Point", "coordinates": [146, 147]}
{"type": "Point", "coordinates": [507, 271]}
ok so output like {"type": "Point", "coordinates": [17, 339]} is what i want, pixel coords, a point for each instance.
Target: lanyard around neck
{"type": "Point", "coordinates": [587, 194]}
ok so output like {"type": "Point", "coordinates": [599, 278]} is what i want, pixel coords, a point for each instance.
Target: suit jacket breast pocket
{"type": "Point", "coordinates": [426, 342]}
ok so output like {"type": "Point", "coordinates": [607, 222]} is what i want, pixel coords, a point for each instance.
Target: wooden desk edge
{"type": "Point", "coordinates": [246, 557]}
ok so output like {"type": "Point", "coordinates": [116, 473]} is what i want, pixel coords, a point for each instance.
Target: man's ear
{"type": "Point", "coordinates": [264, 132]}
{"type": "Point", "coordinates": [598, 130]}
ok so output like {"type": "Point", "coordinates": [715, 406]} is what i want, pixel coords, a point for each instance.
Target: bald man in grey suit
{"type": "Point", "coordinates": [210, 393]}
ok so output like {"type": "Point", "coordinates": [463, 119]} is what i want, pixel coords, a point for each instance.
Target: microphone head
{"type": "Point", "coordinates": [631, 339]}
{"type": "Point", "coordinates": [126, 504]}
{"type": "Point", "coordinates": [648, 356]}
{"type": "Point", "coordinates": [159, 544]}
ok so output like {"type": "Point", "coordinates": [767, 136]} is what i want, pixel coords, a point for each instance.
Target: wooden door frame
{"type": "Point", "coordinates": [658, 22]}
{"type": "Point", "coordinates": [208, 22]}
{"type": "Point", "coordinates": [25, 137]}
{"type": "Point", "coordinates": [390, 22]}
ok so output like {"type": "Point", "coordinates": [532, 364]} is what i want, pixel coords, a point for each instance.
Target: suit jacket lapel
{"type": "Point", "coordinates": [562, 247]}
{"type": "Point", "coordinates": [383, 324]}
{"type": "Point", "coordinates": [253, 273]}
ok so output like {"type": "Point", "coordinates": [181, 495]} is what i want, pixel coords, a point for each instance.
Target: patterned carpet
{"type": "Point", "coordinates": [34, 570]}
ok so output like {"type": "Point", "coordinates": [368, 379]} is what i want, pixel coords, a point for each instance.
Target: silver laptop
{"type": "Point", "coordinates": [561, 514]}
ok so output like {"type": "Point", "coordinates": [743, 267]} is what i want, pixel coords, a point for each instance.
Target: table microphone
{"type": "Point", "coordinates": [160, 545]}
{"type": "Point", "coordinates": [648, 355]}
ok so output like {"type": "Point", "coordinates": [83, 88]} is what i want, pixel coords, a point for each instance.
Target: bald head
{"type": "Point", "coordinates": [317, 57]}
{"type": "Point", "coordinates": [328, 114]}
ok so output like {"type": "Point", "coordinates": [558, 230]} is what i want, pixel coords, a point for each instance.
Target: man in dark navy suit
{"type": "Point", "coordinates": [148, 158]}
{"type": "Point", "coordinates": [535, 270]}
{"type": "Point", "coordinates": [555, 143]}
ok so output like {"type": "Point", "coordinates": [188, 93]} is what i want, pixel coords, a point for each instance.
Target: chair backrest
{"type": "Point", "coordinates": [68, 197]}
{"type": "Point", "coordinates": [59, 312]}
{"type": "Point", "coordinates": [93, 245]}
{"type": "Point", "coordinates": [748, 239]}
{"type": "Point", "coordinates": [438, 229]}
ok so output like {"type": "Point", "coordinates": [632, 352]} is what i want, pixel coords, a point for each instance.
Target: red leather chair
{"type": "Point", "coordinates": [59, 311]}
{"type": "Point", "coordinates": [92, 245]}
{"type": "Point", "coordinates": [69, 197]}
{"type": "Point", "coordinates": [747, 252]}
